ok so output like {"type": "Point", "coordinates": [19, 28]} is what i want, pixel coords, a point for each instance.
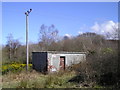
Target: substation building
{"type": "Point", "coordinates": [52, 61]}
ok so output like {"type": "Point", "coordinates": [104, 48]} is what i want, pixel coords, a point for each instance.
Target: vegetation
{"type": "Point", "coordinates": [14, 67]}
{"type": "Point", "coordinates": [36, 80]}
{"type": "Point", "coordinates": [101, 69]}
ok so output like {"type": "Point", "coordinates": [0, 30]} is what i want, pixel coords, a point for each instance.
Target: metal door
{"type": "Point", "coordinates": [62, 63]}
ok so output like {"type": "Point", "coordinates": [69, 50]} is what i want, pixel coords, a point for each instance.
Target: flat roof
{"type": "Point", "coordinates": [60, 52]}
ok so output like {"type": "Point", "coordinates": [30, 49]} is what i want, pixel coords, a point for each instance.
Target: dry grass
{"type": "Point", "coordinates": [36, 80]}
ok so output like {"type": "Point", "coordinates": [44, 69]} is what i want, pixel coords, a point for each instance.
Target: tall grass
{"type": "Point", "coordinates": [37, 80]}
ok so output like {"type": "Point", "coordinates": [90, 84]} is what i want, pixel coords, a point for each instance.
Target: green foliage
{"type": "Point", "coordinates": [13, 67]}
{"type": "Point", "coordinates": [107, 50]}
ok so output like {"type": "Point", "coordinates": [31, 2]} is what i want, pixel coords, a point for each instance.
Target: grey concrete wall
{"type": "Point", "coordinates": [70, 59]}
{"type": "Point", "coordinates": [54, 60]}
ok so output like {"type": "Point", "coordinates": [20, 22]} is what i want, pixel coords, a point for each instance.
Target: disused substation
{"type": "Point", "coordinates": [51, 61]}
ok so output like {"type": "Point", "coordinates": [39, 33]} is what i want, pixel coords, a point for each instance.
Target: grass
{"type": "Point", "coordinates": [15, 76]}
{"type": "Point", "coordinates": [37, 80]}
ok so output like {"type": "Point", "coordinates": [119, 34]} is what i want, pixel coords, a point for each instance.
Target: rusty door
{"type": "Point", "coordinates": [62, 63]}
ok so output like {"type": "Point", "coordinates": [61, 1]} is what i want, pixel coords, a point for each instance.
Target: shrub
{"type": "Point", "coordinates": [98, 67]}
{"type": "Point", "coordinates": [14, 67]}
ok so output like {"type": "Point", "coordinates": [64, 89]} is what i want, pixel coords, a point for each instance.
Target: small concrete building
{"type": "Point", "coordinates": [51, 61]}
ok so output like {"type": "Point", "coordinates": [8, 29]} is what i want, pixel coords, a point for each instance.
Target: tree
{"type": "Point", "coordinates": [114, 34]}
{"type": "Point", "coordinates": [47, 35]}
{"type": "Point", "coordinates": [12, 46]}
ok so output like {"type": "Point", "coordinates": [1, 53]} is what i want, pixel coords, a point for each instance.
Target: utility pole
{"type": "Point", "coordinates": [27, 46]}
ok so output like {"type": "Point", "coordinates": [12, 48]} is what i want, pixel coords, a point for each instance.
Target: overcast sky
{"type": "Point", "coordinates": [68, 18]}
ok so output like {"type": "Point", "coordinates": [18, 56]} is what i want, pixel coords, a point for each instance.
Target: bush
{"type": "Point", "coordinates": [14, 67]}
{"type": "Point", "coordinates": [108, 79]}
{"type": "Point", "coordinates": [99, 68]}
